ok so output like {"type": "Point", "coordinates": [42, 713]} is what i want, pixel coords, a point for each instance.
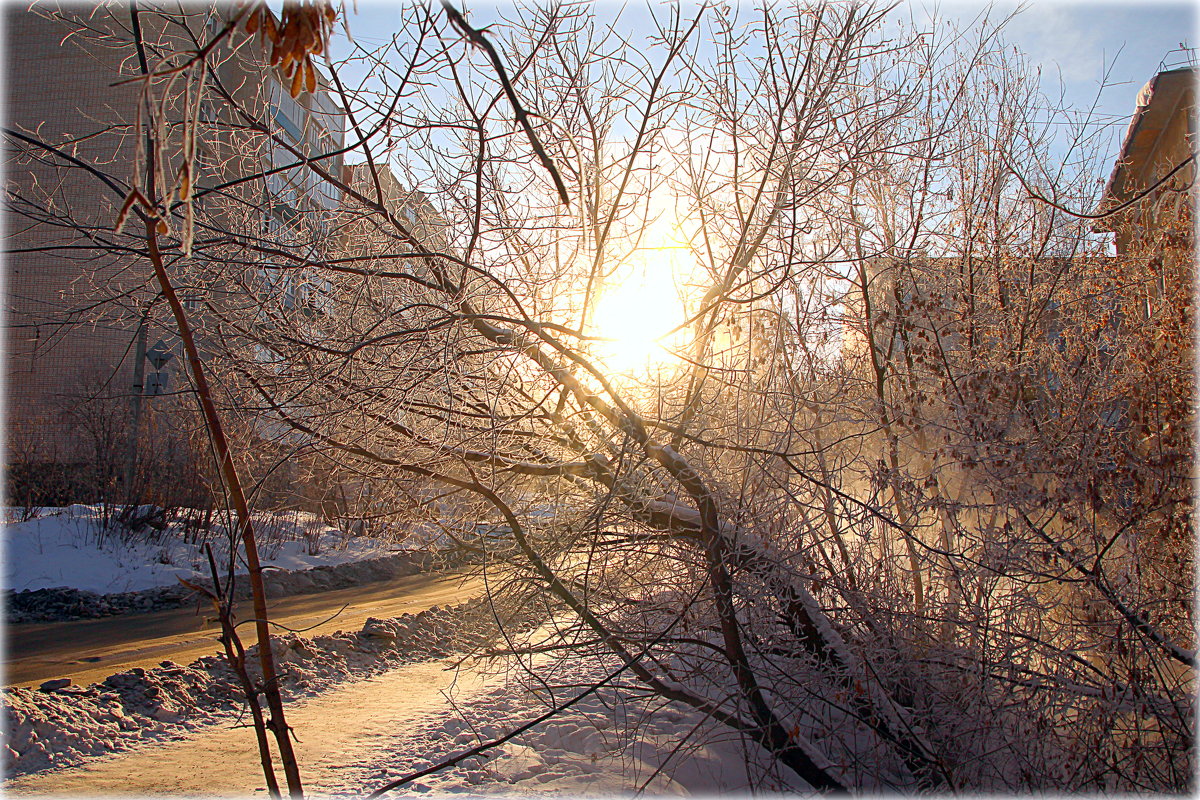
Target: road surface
{"type": "Point", "coordinates": [88, 651]}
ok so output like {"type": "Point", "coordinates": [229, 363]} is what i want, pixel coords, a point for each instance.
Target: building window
{"type": "Point", "coordinates": [277, 286]}
{"type": "Point", "coordinates": [314, 296]}
{"type": "Point", "coordinates": [287, 113]}
{"type": "Point", "coordinates": [282, 221]}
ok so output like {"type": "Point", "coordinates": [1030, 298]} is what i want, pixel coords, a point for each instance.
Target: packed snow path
{"type": "Point", "coordinates": [355, 737]}
{"type": "Point", "coordinates": [336, 730]}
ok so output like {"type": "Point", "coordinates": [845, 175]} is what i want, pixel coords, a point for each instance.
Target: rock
{"type": "Point", "coordinates": [55, 685]}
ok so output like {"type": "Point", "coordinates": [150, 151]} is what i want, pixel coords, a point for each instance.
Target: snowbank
{"type": "Point", "coordinates": [60, 604]}
{"type": "Point", "coordinates": [613, 742]}
{"type": "Point", "coordinates": [71, 547]}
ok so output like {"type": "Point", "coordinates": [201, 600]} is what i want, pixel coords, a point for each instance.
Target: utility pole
{"type": "Point", "coordinates": [139, 376]}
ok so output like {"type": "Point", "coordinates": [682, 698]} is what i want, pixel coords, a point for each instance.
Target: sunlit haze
{"type": "Point", "coordinates": [637, 310]}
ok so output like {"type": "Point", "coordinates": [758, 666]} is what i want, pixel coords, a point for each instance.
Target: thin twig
{"type": "Point", "coordinates": [330, 618]}
{"type": "Point", "coordinates": [477, 38]}
{"type": "Point", "coordinates": [1110, 212]}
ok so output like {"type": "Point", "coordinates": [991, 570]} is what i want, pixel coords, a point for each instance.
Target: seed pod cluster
{"type": "Point", "coordinates": [301, 32]}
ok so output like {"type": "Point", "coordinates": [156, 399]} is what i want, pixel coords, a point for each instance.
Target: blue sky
{"type": "Point", "coordinates": [1075, 43]}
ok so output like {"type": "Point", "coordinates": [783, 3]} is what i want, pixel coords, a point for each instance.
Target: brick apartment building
{"type": "Point", "coordinates": [89, 350]}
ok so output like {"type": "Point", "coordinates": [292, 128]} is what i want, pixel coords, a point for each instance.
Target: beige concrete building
{"type": "Point", "coordinates": [1157, 156]}
{"type": "Point", "coordinates": [1152, 189]}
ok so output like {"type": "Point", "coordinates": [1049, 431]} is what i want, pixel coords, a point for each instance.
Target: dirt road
{"type": "Point", "coordinates": [87, 651]}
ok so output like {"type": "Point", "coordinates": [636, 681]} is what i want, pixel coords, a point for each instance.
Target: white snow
{"type": "Point", "coordinates": [70, 547]}
{"type": "Point", "coordinates": [615, 741]}
{"type": "Point", "coordinates": [608, 744]}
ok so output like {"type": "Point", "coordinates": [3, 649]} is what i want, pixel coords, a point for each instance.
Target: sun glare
{"type": "Point", "coordinates": [637, 312]}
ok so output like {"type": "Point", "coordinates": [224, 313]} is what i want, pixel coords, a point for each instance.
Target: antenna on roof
{"type": "Point", "coordinates": [1179, 58]}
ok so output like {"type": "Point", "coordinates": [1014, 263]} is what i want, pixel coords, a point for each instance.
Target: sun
{"type": "Point", "coordinates": [637, 313]}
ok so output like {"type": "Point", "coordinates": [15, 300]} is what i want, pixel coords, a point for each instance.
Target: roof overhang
{"type": "Point", "coordinates": [1157, 104]}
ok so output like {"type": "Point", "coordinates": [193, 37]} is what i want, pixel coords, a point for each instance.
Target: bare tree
{"type": "Point", "coordinates": [855, 480]}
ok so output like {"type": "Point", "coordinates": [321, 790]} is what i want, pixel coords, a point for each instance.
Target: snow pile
{"type": "Point", "coordinates": [54, 605]}
{"type": "Point", "coordinates": [64, 727]}
{"type": "Point", "coordinates": [59, 729]}
{"type": "Point", "coordinates": [74, 547]}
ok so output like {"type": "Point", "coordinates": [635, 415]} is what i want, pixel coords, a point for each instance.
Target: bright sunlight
{"type": "Point", "coordinates": [637, 311]}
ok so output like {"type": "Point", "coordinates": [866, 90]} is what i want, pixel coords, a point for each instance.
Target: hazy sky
{"type": "Point", "coordinates": [1074, 42]}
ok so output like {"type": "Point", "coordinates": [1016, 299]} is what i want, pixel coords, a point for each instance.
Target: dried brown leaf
{"type": "Point", "coordinates": [123, 214]}
{"type": "Point", "coordinates": [290, 36]}
{"type": "Point", "coordinates": [185, 181]}
{"type": "Point", "coordinates": [304, 32]}
{"type": "Point", "coordinates": [297, 82]}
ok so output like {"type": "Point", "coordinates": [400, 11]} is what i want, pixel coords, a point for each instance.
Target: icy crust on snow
{"type": "Point", "coordinates": [65, 727]}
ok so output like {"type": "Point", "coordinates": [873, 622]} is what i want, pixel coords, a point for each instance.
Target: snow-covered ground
{"type": "Point", "coordinates": [361, 703]}
{"type": "Point", "coordinates": [70, 547]}
{"type": "Point", "coordinates": [360, 727]}
{"type": "Point", "coordinates": [607, 744]}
